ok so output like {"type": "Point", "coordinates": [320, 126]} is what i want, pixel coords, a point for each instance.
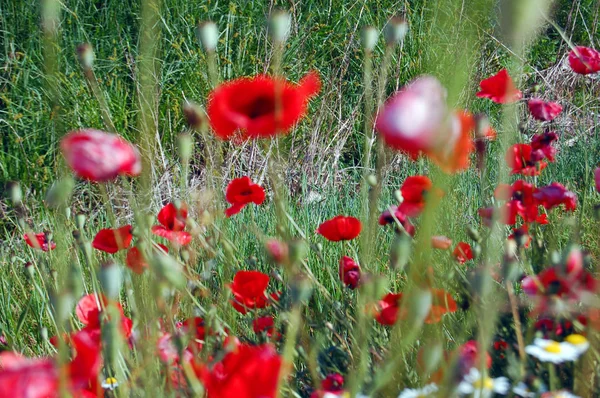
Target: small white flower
{"type": "Point", "coordinates": [578, 341]}
{"type": "Point", "coordinates": [552, 351]}
{"type": "Point", "coordinates": [482, 387]}
{"type": "Point", "coordinates": [110, 383]}
{"type": "Point", "coordinates": [559, 394]}
{"type": "Point", "coordinates": [523, 391]}
{"type": "Point", "coordinates": [428, 390]}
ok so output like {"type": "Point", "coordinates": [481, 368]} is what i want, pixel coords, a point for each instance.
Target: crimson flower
{"type": "Point", "coordinates": [241, 192]}
{"type": "Point", "coordinates": [389, 308]}
{"type": "Point", "coordinates": [441, 242]}
{"type": "Point", "coordinates": [248, 106]}
{"type": "Point", "coordinates": [554, 195]}
{"type": "Point", "coordinates": [331, 386]}
{"type": "Point", "coordinates": [393, 213]}
{"type": "Point", "coordinates": [542, 110]}
{"type": "Point", "coordinates": [349, 272]}
{"type": "Point", "coordinates": [340, 228]}
{"type": "Point", "coordinates": [520, 157]}
{"type": "Point", "coordinates": [541, 144]}
{"type": "Point", "coordinates": [584, 60]}
{"type": "Point", "coordinates": [499, 88]}
{"type": "Point", "coordinates": [172, 221]}
{"type": "Point", "coordinates": [414, 192]}
{"type": "Point", "coordinates": [98, 156]}
{"type": "Point", "coordinates": [112, 240]}
{"type": "Point", "coordinates": [249, 290]}
{"type": "Point", "coordinates": [597, 179]}
{"type": "Point", "coordinates": [39, 241]}
{"type": "Point", "coordinates": [521, 236]}
{"type": "Point", "coordinates": [246, 372]}
{"type": "Point", "coordinates": [89, 312]}
{"type": "Point", "coordinates": [135, 259]}
{"type": "Point", "coordinates": [265, 324]}
{"type": "Point", "coordinates": [521, 201]}
{"type": "Point", "coordinates": [463, 252]}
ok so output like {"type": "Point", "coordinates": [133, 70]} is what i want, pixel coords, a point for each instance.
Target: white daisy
{"type": "Point", "coordinates": [428, 390]}
{"type": "Point", "coordinates": [552, 351]}
{"type": "Point", "coordinates": [110, 383]}
{"type": "Point", "coordinates": [522, 390]}
{"type": "Point", "coordinates": [482, 387]}
{"type": "Point", "coordinates": [578, 341]}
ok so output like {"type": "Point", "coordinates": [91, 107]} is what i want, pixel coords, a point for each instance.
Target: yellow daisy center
{"type": "Point", "coordinates": [553, 347]}
{"type": "Point", "coordinates": [484, 382]}
{"type": "Point", "coordinates": [576, 339]}
{"type": "Point", "coordinates": [110, 381]}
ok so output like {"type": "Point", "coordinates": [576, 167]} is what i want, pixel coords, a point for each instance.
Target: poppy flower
{"type": "Point", "coordinates": [554, 195]}
{"type": "Point", "coordinates": [98, 156]}
{"type": "Point", "coordinates": [248, 106]}
{"type": "Point", "coordinates": [414, 192]}
{"type": "Point", "coordinates": [89, 312]}
{"type": "Point", "coordinates": [597, 179]}
{"type": "Point", "coordinates": [241, 192]}
{"type": "Point", "coordinates": [39, 241]}
{"type": "Point", "coordinates": [520, 158]}
{"type": "Point", "coordinates": [112, 240]}
{"type": "Point", "coordinates": [389, 308]}
{"type": "Point", "coordinates": [331, 386]}
{"type": "Point", "coordinates": [393, 213]}
{"type": "Point", "coordinates": [499, 88]}
{"type": "Point", "coordinates": [249, 290]}
{"type": "Point", "coordinates": [265, 324]}
{"type": "Point", "coordinates": [27, 377]}
{"type": "Point", "coordinates": [541, 144]}
{"type": "Point", "coordinates": [520, 202]}
{"type": "Point", "coordinates": [584, 60]}
{"type": "Point", "coordinates": [277, 251]}
{"type": "Point", "coordinates": [172, 221]}
{"type": "Point", "coordinates": [521, 236]}
{"type": "Point", "coordinates": [135, 260]}
{"type": "Point", "coordinates": [340, 228]}
{"type": "Point", "coordinates": [468, 357]}
{"type": "Point", "coordinates": [542, 110]}
{"type": "Point", "coordinates": [349, 272]}
{"type": "Point", "coordinates": [463, 252]}
{"type": "Point", "coordinates": [441, 242]}
{"type": "Point", "coordinates": [246, 372]}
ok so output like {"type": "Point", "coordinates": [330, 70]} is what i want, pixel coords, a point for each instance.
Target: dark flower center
{"type": "Point", "coordinates": [260, 106]}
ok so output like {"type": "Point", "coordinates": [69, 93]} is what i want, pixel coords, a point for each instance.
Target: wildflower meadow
{"type": "Point", "coordinates": [317, 199]}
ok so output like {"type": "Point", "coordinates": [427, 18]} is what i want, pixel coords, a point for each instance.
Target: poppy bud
{"type": "Point", "coordinates": [280, 23]}
{"type": "Point", "coordinates": [86, 56]}
{"type": "Point", "coordinates": [80, 221]}
{"type": "Point", "coordinates": [208, 35]}
{"type": "Point", "coordinates": [186, 146]}
{"type": "Point", "coordinates": [30, 269]}
{"type": "Point", "coordinates": [319, 247]}
{"type": "Point", "coordinates": [195, 116]}
{"type": "Point", "coordinates": [111, 279]}
{"type": "Point", "coordinates": [395, 30]}
{"type": "Point", "coordinates": [473, 234]}
{"type": "Point", "coordinates": [400, 251]}
{"type": "Point", "coordinates": [60, 192]}
{"type": "Point", "coordinates": [372, 180]}
{"type": "Point", "coordinates": [16, 194]}
{"type": "Point", "coordinates": [44, 333]}
{"type": "Point", "coordinates": [398, 196]}
{"type": "Point", "coordinates": [369, 38]}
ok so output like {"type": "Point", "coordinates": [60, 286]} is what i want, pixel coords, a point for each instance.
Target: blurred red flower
{"type": "Point", "coordinates": [453, 154]}
{"type": "Point", "coordinates": [520, 157]}
{"type": "Point", "coordinates": [542, 110]}
{"type": "Point", "coordinates": [248, 106]}
{"type": "Point", "coordinates": [499, 88]}
{"type": "Point", "coordinates": [520, 202]}
{"type": "Point", "coordinates": [584, 60]}
{"type": "Point", "coordinates": [441, 242]}
{"type": "Point", "coordinates": [249, 290]}
{"type": "Point", "coordinates": [389, 308]}
{"type": "Point", "coordinates": [241, 192]}
{"type": "Point", "coordinates": [463, 252]}
{"type": "Point", "coordinates": [89, 312]}
{"type": "Point", "coordinates": [340, 228]}
{"type": "Point", "coordinates": [349, 272]}
{"type": "Point", "coordinates": [554, 195]}
{"type": "Point", "coordinates": [27, 377]}
{"type": "Point", "coordinates": [246, 372]}
{"type": "Point", "coordinates": [39, 241]}
{"type": "Point", "coordinates": [173, 222]}
{"type": "Point", "coordinates": [393, 213]}
{"type": "Point", "coordinates": [597, 179]}
{"type": "Point", "coordinates": [98, 156]}
{"type": "Point", "coordinates": [265, 324]}
{"type": "Point", "coordinates": [468, 357]}
{"type": "Point", "coordinates": [414, 193]}
{"type": "Point", "coordinates": [331, 386]}
{"type": "Point", "coordinates": [541, 144]}
{"type": "Point", "coordinates": [135, 259]}
{"type": "Point", "coordinates": [112, 240]}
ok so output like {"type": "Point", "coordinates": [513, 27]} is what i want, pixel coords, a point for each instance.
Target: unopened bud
{"type": "Point", "coordinates": [372, 180]}
{"type": "Point", "coordinates": [280, 24]}
{"type": "Point", "coordinates": [44, 333]}
{"type": "Point", "coordinates": [29, 269]}
{"type": "Point", "coordinates": [80, 221]}
{"type": "Point", "coordinates": [186, 146]}
{"type": "Point", "coordinates": [60, 192]}
{"type": "Point", "coordinates": [398, 196]}
{"type": "Point", "coordinates": [86, 56]}
{"type": "Point", "coordinates": [195, 116]}
{"type": "Point", "coordinates": [369, 38]}
{"type": "Point", "coordinates": [395, 31]}
{"type": "Point", "coordinates": [473, 234]}
{"type": "Point", "coordinates": [111, 279]}
{"type": "Point", "coordinates": [208, 35]}
{"type": "Point", "coordinates": [16, 194]}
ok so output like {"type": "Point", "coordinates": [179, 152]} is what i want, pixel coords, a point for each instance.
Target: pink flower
{"type": "Point", "coordinates": [543, 111]}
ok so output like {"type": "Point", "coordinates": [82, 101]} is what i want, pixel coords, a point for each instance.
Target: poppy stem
{"type": "Point", "coordinates": [517, 320]}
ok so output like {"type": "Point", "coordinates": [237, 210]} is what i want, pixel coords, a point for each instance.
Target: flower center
{"type": "Point", "coordinates": [260, 106]}
{"type": "Point", "coordinates": [486, 383]}
{"type": "Point", "coordinates": [553, 347]}
{"type": "Point", "coordinates": [576, 339]}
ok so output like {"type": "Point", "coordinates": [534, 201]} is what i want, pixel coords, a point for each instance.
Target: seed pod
{"type": "Point", "coordinates": [280, 24]}
{"type": "Point", "coordinates": [208, 35]}
{"type": "Point", "coordinates": [372, 180]}
{"type": "Point", "coordinates": [195, 116]}
{"type": "Point", "coordinates": [186, 146]}
{"type": "Point", "coordinates": [395, 31]}
{"type": "Point", "coordinates": [111, 279]}
{"type": "Point", "coordinates": [369, 38]}
{"type": "Point", "coordinates": [86, 56]}
{"type": "Point", "coordinates": [400, 251]}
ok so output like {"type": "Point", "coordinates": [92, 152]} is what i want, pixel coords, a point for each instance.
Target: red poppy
{"type": "Point", "coordinates": [241, 192]}
{"type": "Point", "coordinates": [393, 213]}
{"type": "Point", "coordinates": [520, 202]}
{"type": "Point", "coordinates": [520, 157]}
{"type": "Point", "coordinates": [584, 60]}
{"type": "Point", "coordinates": [246, 372]}
{"type": "Point", "coordinates": [521, 236]}
{"type": "Point", "coordinates": [173, 222]}
{"type": "Point", "coordinates": [597, 179]}
{"type": "Point", "coordinates": [463, 252]}
{"type": "Point", "coordinates": [441, 242]}
{"type": "Point", "coordinates": [27, 377]}
{"type": "Point", "coordinates": [135, 259]}
{"type": "Point", "coordinates": [331, 386]}
{"type": "Point", "coordinates": [248, 106]}
{"type": "Point", "coordinates": [554, 195]}
{"type": "Point", "coordinates": [249, 290]}
{"type": "Point", "coordinates": [265, 324]}
{"type": "Point", "coordinates": [389, 308]}
{"type": "Point", "coordinates": [541, 144]}
{"type": "Point", "coordinates": [468, 357]}
{"type": "Point", "coordinates": [112, 240]}
{"type": "Point", "coordinates": [349, 272]}
{"type": "Point", "coordinates": [277, 250]}
{"type": "Point", "coordinates": [98, 156]}
{"type": "Point", "coordinates": [542, 110]}
{"type": "Point", "coordinates": [39, 241]}
{"type": "Point", "coordinates": [89, 312]}
{"type": "Point", "coordinates": [499, 88]}
{"type": "Point", "coordinates": [340, 228]}
{"type": "Point", "coordinates": [414, 192]}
